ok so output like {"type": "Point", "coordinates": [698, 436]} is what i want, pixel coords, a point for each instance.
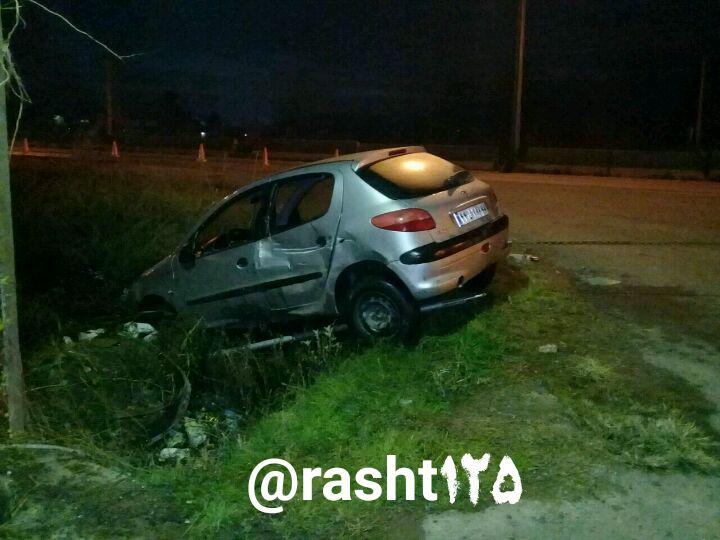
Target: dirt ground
{"type": "Point", "coordinates": [658, 242]}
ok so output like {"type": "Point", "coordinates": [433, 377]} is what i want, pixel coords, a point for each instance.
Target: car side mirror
{"type": "Point", "coordinates": [186, 255]}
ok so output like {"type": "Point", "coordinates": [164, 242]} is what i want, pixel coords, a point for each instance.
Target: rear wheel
{"type": "Point", "coordinates": [379, 308]}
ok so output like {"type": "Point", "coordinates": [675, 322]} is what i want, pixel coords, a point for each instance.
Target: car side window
{"type": "Point", "coordinates": [239, 222]}
{"type": "Point", "coordinates": [300, 200]}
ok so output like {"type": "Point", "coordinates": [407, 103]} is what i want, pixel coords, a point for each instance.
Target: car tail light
{"type": "Point", "coordinates": [407, 220]}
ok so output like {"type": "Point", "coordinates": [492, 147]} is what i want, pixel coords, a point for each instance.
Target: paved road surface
{"type": "Point", "coordinates": [675, 224]}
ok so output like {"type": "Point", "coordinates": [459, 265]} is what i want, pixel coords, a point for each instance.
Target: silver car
{"type": "Point", "coordinates": [375, 237]}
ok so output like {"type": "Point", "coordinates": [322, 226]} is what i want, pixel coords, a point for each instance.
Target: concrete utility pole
{"type": "Point", "coordinates": [519, 74]}
{"type": "Point", "coordinates": [12, 365]}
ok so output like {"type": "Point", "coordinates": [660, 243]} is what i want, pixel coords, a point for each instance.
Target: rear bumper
{"type": "Point", "coordinates": [438, 268]}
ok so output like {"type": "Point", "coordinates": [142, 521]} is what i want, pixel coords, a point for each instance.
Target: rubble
{"type": "Point", "coordinates": [173, 455]}
{"type": "Point", "coordinates": [175, 439]}
{"type": "Point", "coordinates": [90, 334]}
{"type": "Point", "coordinates": [522, 258]}
{"type": "Point", "coordinates": [195, 433]}
{"type": "Point", "coordinates": [139, 330]}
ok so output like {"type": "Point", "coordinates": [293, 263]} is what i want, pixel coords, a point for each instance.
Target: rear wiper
{"type": "Point", "coordinates": [454, 181]}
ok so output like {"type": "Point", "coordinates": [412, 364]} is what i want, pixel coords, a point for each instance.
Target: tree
{"type": "Point", "coordinates": [12, 364]}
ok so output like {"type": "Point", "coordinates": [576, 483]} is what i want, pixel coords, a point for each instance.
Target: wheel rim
{"type": "Point", "coordinates": [378, 314]}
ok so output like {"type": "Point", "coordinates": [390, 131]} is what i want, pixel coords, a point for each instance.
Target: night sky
{"type": "Point", "coordinates": [614, 73]}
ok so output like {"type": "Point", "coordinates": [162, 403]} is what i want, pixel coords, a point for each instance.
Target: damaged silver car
{"type": "Point", "coordinates": [376, 238]}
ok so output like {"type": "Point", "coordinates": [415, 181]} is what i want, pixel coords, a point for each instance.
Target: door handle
{"type": "Point", "coordinates": [321, 241]}
{"type": "Point", "coordinates": [242, 262]}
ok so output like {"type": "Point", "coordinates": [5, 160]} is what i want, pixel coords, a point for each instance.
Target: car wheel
{"type": "Point", "coordinates": [380, 309]}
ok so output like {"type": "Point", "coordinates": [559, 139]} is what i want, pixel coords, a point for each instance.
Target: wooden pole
{"type": "Point", "coordinates": [12, 362]}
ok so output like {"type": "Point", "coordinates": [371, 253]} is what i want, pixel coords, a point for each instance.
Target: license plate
{"type": "Point", "coordinates": [468, 215]}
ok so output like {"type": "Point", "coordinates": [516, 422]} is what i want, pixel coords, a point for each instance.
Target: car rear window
{"type": "Point", "coordinates": [414, 175]}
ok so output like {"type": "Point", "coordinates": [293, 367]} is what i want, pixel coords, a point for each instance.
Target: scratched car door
{"type": "Point", "coordinates": [295, 258]}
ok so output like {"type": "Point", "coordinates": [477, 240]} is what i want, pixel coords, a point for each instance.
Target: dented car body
{"type": "Point", "coordinates": [372, 237]}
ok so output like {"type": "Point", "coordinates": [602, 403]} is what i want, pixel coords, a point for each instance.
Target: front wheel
{"type": "Point", "coordinates": [381, 309]}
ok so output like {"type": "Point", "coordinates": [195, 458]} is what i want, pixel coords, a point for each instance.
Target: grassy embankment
{"type": "Point", "coordinates": [474, 383]}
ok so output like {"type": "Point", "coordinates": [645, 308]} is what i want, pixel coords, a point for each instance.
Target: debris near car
{"type": "Point", "coordinates": [522, 258]}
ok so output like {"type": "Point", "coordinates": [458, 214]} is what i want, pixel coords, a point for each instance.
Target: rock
{"type": "Point", "coordinates": [173, 455]}
{"type": "Point", "coordinates": [522, 258]}
{"type": "Point", "coordinates": [67, 340]}
{"type": "Point", "coordinates": [139, 330]}
{"type": "Point", "coordinates": [175, 439]}
{"type": "Point", "coordinates": [195, 433]}
{"type": "Point", "coordinates": [405, 402]}
{"type": "Point", "coordinates": [90, 334]}
{"type": "Point", "coordinates": [549, 348]}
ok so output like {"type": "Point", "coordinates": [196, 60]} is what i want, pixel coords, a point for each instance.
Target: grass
{"type": "Point", "coordinates": [474, 383]}
{"type": "Point", "coordinates": [481, 388]}
{"type": "Point", "coordinates": [663, 440]}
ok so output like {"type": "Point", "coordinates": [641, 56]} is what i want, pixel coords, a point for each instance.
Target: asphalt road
{"type": "Point", "coordinates": [652, 233]}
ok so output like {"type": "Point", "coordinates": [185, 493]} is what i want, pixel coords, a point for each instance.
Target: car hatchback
{"type": "Point", "coordinates": [374, 237]}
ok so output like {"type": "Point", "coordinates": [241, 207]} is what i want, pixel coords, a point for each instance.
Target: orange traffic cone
{"type": "Point", "coordinates": [201, 153]}
{"type": "Point", "coordinates": [266, 160]}
{"type": "Point", "coordinates": [115, 152]}
{"type": "Point", "coordinates": [26, 147]}
{"type": "Point", "coordinates": [337, 152]}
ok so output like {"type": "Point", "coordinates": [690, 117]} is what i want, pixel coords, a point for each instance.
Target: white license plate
{"type": "Point", "coordinates": [468, 215]}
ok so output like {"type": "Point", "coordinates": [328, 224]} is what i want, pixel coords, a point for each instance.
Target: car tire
{"type": "Point", "coordinates": [378, 308]}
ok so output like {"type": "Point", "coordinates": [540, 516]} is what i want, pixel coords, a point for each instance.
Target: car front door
{"type": "Point", "coordinates": [304, 215]}
{"type": "Point", "coordinates": [221, 282]}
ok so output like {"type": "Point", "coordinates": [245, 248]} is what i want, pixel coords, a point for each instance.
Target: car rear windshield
{"type": "Point", "coordinates": [414, 175]}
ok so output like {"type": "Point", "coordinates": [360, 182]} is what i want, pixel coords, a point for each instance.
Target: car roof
{"type": "Point", "coordinates": [362, 159]}
{"type": "Point", "coordinates": [357, 161]}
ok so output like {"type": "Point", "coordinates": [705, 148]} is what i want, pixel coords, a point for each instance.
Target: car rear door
{"type": "Point", "coordinates": [294, 259]}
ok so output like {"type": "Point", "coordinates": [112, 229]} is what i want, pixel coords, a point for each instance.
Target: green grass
{"type": "Point", "coordinates": [82, 237]}
{"type": "Point", "coordinates": [482, 388]}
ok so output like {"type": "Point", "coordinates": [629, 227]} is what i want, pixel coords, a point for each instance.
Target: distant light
{"type": "Point", "coordinates": [414, 165]}
{"type": "Point", "coordinates": [246, 135]}
{"type": "Point", "coordinates": [58, 120]}
{"type": "Point", "coordinates": [202, 134]}
{"type": "Point", "coordinates": [84, 121]}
